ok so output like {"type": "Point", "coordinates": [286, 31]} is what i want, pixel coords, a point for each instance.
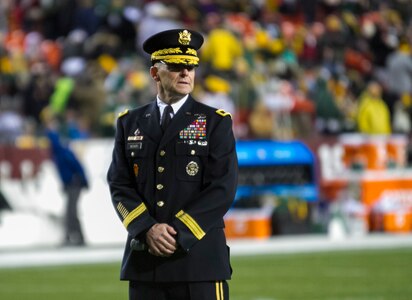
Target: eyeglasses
{"type": "Point", "coordinates": [177, 67]}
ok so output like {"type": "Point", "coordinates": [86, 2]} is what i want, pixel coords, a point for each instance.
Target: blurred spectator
{"type": "Point", "coordinates": [222, 49]}
{"type": "Point", "coordinates": [88, 99]}
{"type": "Point", "coordinates": [59, 99]}
{"type": "Point", "coordinates": [121, 24]}
{"type": "Point", "coordinates": [261, 121]}
{"type": "Point", "coordinates": [402, 116]}
{"type": "Point", "coordinates": [277, 95]}
{"type": "Point", "coordinates": [333, 43]}
{"type": "Point", "coordinates": [127, 85]}
{"type": "Point", "coordinates": [40, 87]}
{"type": "Point", "coordinates": [311, 54]}
{"type": "Point", "coordinates": [74, 44]}
{"type": "Point", "coordinates": [345, 101]}
{"type": "Point", "coordinates": [103, 42]}
{"type": "Point", "coordinates": [4, 205]}
{"type": "Point", "coordinates": [11, 126]}
{"type": "Point", "coordinates": [399, 71]}
{"type": "Point", "coordinates": [156, 17]}
{"type": "Point", "coordinates": [373, 113]}
{"type": "Point", "coordinates": [329, 118]}
{"type": "Point", "coordinates": [73, 179]}
{"type": "Point", "coordinates": [217, 94]}
{"type": "Point", "coordinates": [380, 41]}
{"type": "Point", "coordinates": [309, 10]}
{"type": "Point", "coordinates": [85, 16]}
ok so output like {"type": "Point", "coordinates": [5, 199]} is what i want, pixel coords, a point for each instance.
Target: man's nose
{"type": "Point", "coordinates": [184, 72]}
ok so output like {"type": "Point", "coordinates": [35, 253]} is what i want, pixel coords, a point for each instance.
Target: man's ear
{"type": "Point", "coordinates": [153, 73]}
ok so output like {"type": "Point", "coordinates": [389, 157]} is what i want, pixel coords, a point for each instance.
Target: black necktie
{"type": "Point", "coordinates": [166, 118]}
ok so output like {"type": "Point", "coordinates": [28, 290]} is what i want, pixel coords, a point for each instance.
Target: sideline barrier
{"type": "Point", "coordinates": [274, 174]}
{"type": "Point", "coordinates": [31, 186]}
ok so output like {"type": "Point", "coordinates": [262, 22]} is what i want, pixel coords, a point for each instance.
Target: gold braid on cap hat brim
{"type": "Point", "coordinates": [171, 56]}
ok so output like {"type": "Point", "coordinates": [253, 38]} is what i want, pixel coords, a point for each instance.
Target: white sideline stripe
{"type": "Point", "coordinates": [281, 245]}
{"type": "Point", "coordinates": [318, 243]}
{"type": "Point", "coordinates": [59, 256]}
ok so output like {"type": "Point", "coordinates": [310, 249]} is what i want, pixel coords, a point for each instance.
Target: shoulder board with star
{"type": "Point", "coordinates": [223, 113]}
{"type": "Point", "coordinates": [125, 112]}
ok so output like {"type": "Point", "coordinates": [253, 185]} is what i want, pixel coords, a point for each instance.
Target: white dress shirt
{"type": "Point", "coordinates": [176, 106]}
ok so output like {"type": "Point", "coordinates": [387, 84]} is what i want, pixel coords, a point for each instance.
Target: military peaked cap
{"type": "Point", "coordinates": [176, 46]}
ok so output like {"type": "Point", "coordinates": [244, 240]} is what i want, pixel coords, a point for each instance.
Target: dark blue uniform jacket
{"type": "Point", "coordinates": [185, 177]}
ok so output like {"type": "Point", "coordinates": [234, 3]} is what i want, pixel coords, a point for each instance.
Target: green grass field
{"type": "Point", "coordinates": [346, 275]}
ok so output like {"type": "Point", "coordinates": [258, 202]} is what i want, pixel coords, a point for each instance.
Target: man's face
{"type": "Point", "coordinates": [174, 81]}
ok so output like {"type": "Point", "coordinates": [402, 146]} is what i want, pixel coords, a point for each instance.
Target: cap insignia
{"type": "Point", "coordinates": [184, 37]}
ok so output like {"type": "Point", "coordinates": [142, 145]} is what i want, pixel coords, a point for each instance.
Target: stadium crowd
{"type": "Point", "coordinates": [283, 68]}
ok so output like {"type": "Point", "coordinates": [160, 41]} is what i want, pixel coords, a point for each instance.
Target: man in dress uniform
{"type": "Point", "coordinates": [172, 178]}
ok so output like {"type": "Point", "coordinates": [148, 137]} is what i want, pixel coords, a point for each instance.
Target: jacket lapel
{"type": "Point", "coordinates": [150, 122]}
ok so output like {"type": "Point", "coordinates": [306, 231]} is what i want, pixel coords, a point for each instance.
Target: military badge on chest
{"type": "Point", "coordinates": [134, 142]}
{"type": "Point", "coordinates": [136, 136]}
{"type": "Point", "coordinates": [193, 136]}
{"type": "Point", "coordinates": [192, 168]}
{"type": "Point", "coordinates": [136, 169]}
{"type": "Point", "coordinates": [134, 146]}
{"type": "Point", "coordinates": [195, 133]}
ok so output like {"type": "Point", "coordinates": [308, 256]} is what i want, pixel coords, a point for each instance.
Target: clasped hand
{"type": "Point", "coordinates": [161, 240]}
